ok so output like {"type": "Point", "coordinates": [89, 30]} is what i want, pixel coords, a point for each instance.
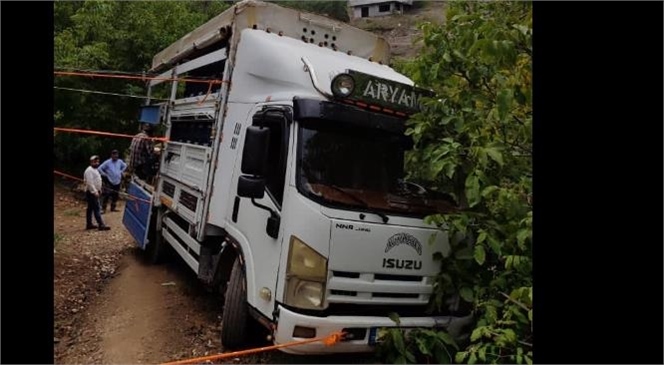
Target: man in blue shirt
{"type": "Point", "coordinates": [111, 171]}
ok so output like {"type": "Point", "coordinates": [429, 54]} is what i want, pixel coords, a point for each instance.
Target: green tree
{"type": "Point", "coordinates": [117, 36]}
{"type": "Point", "coordinates": [475, 140]}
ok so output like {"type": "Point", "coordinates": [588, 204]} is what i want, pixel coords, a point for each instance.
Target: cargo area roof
{"type": "Point", "coordinates": [306, 27]}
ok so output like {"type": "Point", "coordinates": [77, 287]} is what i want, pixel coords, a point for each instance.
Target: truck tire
{"type": "Point", "coordinates": [235, 316]}
{"type": "Point", "coordinates": [155, 250]}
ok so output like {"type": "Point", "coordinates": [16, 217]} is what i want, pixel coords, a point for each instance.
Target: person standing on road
{"type": "Point", "coordinates": [111, 172]}
{"type": "Point", "coordinates": [92, 180]}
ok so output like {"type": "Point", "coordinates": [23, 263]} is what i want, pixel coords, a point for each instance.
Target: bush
{"type": "Point", "coordinates": [475, 141]}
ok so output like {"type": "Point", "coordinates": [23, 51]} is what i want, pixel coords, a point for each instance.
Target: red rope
{"type": "Point", "coordinates": [131, 197]}
{"type": "Point", "coordinates": [88, 131]}
{"type": "Point", "coordinates": [330, 340]}
{"type": "Point", "coordinates": [143, 78]}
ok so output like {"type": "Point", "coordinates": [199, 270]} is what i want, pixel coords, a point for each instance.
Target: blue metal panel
{"type": "Point", "coordinates": [136, 216]}
{"type": "Point", "coordinates": [150, 114]}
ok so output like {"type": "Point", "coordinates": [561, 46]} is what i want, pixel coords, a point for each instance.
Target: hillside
{"type": "Point", "coordinates": [401, 30]}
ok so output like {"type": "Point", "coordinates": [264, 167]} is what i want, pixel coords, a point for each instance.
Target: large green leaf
{"type": "Point", "coordinates": [460, 356]}
{"type": "Point", "coordinates": [395, 318]}
{"type": "Point", "coordinates": [410, 357]}
{"type": "Point", "coordinates": [509, 261]}
{"type": "Point", "coordinates": [504, 103]}
{"type": "Point", "coordinates": [521, 237]}
{"type": "Point", "coordinates": [447, 339]}
{"type": "Point", "coordinates": [449, 170]}
{"type": "Point", "coordinates": [422, 346]}
{"type": "Point", "coordinates": [482, 354]}
{"type": "Point", "coordinates": [473, 190]}
{"type": "Point", "coordinates": [489, 190]}
{"type": "Point", "coordinates": [495, 155]}
{"type": "Point", "coordinates": [446, 121]}
{"type": "Point", "coordinates": [510, 335]}
{"type": "Point", "coordinates": [494, 244]}
{"type": "Point", "coordinates": [466, 294]}
{"type": "Point", "coordinates": [477, 334]}
{"type": "Point", "coordinates": [397, 337]}
{"type": "Point", "coordinates": [480, 254]}
{"type": "Point", "coordinates": [491, 313]}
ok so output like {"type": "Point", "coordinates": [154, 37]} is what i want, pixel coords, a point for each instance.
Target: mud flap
{"type": "Point", "coordinates": [137, 212]}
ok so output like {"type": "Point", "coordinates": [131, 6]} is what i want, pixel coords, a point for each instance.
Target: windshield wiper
{"type": "Point", "coordinates": [360, 201]}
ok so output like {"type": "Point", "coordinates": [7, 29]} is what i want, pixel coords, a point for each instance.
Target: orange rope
{"type": "Point", "coordinates": [143, 78]}
{"type": "Point", "coordinates": [131, 197]}
{"type": "Point", "coordinates": [206, 95]}
{"type": "Point", "coordinates": [330, 340]}
{"type": "Point", "coordinates": [88, 131]}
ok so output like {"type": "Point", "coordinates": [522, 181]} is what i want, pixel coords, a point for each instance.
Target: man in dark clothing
{"type": "Point", "coordinates": [141, 151]}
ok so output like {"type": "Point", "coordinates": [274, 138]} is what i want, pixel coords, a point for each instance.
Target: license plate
{"type": "Point", "coordinates": [377, 334]}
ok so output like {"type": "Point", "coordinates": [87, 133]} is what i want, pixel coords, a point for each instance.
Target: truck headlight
{"type": "Point", "coordinates": [343, 85]}
{"type": "Point", "coordinates": [306, 275]}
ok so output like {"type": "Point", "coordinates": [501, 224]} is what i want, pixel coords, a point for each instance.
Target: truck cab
{"type": "Point", "coordinates": [284, 186]}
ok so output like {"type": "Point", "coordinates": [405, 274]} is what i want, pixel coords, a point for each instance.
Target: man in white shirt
{"type": "Point", "coordinates": [92, 180]}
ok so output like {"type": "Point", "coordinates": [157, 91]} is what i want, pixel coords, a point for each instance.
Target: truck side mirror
{"type": "Point", "coordinates": [251, 187]}
{"type": "Point", "coordinates": [254, 155]}
{"type": "Point", "coordinates": [254, 162]}
{"type": "Point", "coordinates": [254, 167]}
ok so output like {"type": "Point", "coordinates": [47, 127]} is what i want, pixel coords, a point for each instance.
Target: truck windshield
{"type": "Point", "coordinates": [350, 167]}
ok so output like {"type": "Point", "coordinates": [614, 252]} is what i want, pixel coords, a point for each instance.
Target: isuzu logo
{"type": "Point", "coordinates": [402, 264]}
{"type": "Point", "coordinates": [403, 239]}
{"type": "Point", "coordinates": [398, 240]}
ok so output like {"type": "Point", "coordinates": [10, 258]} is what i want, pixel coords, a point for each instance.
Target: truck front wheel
{"type": "Point", "coordinates": [235, 316]}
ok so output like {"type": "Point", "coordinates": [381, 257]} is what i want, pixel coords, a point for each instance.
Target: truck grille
{"type": "Point", "coordinates": [395, 295]}
{"type": "Point", "coordinates": [368, 288]}
{"type": "Point", "coordinates": [373, 310]}
{"type": "Point", "coordinates": [345, 274]}
{"type": "Point", "coordinates": [344, 292]}
{"type": "Point", "coordinates": [398, 277]}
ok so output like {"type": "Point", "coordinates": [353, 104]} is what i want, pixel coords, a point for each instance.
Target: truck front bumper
{"type": "Point", "coordinates": [324, 326]}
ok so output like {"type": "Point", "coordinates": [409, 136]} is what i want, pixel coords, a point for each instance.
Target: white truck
{"type": "Point", "coordinates": [282, 186]}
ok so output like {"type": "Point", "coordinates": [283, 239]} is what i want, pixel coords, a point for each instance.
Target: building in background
{"type": "Point", "coordinates": [374, 8]}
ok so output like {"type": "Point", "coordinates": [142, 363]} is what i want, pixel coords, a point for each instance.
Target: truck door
{"type": "Point", "coordinates": [258, 224]}
{"type": "Point", "coordinates": [137, 212]}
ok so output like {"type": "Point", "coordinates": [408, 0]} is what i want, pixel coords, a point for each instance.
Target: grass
{"type": "Point", "coordinates": [57, 238]}
{"type": "Point", "coordinates": [73, 213]}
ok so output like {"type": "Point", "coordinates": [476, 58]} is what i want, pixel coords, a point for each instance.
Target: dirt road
{"type": "Point", "coordinates": [112, 308]}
